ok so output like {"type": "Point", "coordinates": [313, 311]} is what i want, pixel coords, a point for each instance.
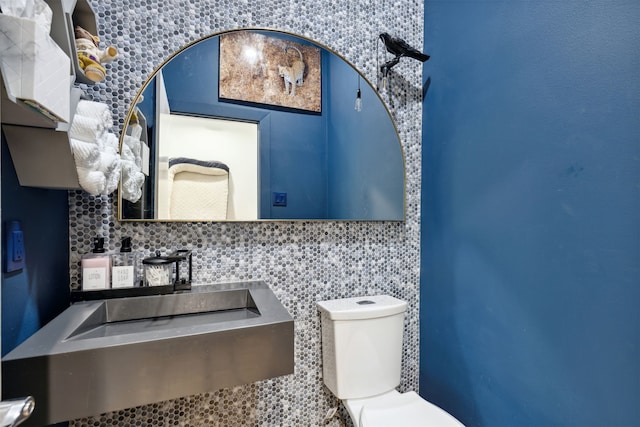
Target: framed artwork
{"type": "Point", "coordinates": [273, 71]}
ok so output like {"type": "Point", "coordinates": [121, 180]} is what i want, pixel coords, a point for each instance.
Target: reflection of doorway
{"type": "Point", "coordinates": [233, 143]}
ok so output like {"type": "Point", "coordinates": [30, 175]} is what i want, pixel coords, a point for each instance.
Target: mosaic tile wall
{"type": "Point", "coordinates": [303, 262]}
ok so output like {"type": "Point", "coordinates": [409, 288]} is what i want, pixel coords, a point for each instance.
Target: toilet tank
{"type": "Point", "coordinates": [362, 345]}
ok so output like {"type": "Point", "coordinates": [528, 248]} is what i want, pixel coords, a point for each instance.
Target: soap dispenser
{"type": "Point", "coordinates": [123, 272]}
{"type": "Point", "coordinates": [96, 267]}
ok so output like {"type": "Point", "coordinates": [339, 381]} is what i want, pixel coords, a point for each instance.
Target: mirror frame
{"type": "Point", "coordinates": [153, 74]}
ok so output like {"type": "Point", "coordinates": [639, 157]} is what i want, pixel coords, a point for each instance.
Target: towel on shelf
{"type": "Point", "coordinates": [94, 149]}
{"type": "Point", "coordinates": [95, 110]}
{"type": "Point", "coordinates": [86, 154]}
{"type": "Point", "coordinates": [86, 129]}
{"type": "Point", "coordinates": [110, 162]}
{"type": "Point", "coordinates": [96, 164]}
{"type": "Point", "coordinates": [112, 178]}
{"type": "Point", "coordinates": [91, 181]}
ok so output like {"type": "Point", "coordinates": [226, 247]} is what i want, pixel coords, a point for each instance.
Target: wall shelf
{"type": "Point", "coordinates": [42, 157]}
{"type": "Point", "coordinates": [39, 146]}
{"type": "Point", "coordinates": [66, 15]}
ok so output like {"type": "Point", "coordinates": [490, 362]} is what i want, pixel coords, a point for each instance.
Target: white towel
{"type": "Point", "coordinates": [135, 130]}
{"type": "Point", "coordinates": [87, 159]}
{"type": "Point", "coordinates": [112, 178]}
{"type": "Point", "coordinates": [97, 163]}
{"type": "Point", "coordinates": [95, 110]}
{"type": "Point", "coordinates": [135, 145]}
{"type": "Point", "coordinates": [127, 154]}
{"type": "Point", "coordinates": [110, 162]}
{"type": "Point", "coordinates": [109, 140]}
{"type": "Point", "coordinates": [91, 181]}
{"type": "Point", "coordinates": [86, 154]}
{"type": "Point", "coordinates": [86, 128]}
{"type": "Point", "coordinates": [132, 181]}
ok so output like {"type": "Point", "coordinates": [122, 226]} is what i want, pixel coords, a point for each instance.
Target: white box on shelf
{"type": "Point", "coordinates": [34, 68]}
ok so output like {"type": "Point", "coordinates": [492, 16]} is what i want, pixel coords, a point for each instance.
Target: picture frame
{"type": "Point", "coordinates": [275, 72]}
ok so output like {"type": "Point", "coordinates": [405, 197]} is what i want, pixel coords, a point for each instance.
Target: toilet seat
{"type": "Point", "coordinates": [399, 409]}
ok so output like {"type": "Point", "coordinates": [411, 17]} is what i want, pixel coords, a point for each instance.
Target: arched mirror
{"type": "Point", "coordinates": [255, 125]}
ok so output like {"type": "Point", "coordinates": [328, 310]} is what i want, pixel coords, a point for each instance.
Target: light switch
{"type": "Point", "coordinates": [279, 199]}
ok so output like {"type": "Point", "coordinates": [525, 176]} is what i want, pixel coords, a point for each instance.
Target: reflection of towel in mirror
{"type": "Point", "coordinates": [132, 180]}
{"type": "Point", "coordinates": [132, 176]}
{"type": "Point", "coordinates": [198, 189]}
{"type": "Point", "coordinates": [135, 130]}
{"type": "Point", "coordinates": [135, 146]}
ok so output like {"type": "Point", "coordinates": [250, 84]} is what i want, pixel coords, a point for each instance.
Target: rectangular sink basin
{"type": "Point", "coordinates": [107, 355]}
{"type": "Point", "coordinates": [144, 314]}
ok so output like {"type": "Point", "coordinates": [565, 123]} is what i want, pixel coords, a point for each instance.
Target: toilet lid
{"type": "Point", "coordinates": [406, 410]}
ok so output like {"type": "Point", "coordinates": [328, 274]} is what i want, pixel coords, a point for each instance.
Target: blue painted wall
{"type": "Point", "coordinates": [38, 293]}
{"type": "Point", "coordinates": [296, 144]}
{"type": "Point", "coordinates": [308, 156]}
{"type": "Point", "coordinates": [530, 280]}
{"type": "Point", "coordinates": [361, 188]}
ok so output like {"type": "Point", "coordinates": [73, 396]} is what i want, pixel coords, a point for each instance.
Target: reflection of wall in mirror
{"type": "Point", "coordinates": [230, 142]}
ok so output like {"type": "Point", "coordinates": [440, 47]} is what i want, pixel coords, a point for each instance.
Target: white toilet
{"type": "Point", "coordinates": [362, 356]}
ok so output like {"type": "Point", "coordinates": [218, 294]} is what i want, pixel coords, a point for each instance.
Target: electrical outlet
{"type": "Point", "coordinates": [18, 245]}
{"type": "Point", "coordinates": [279, 199]}
{"type": "Point", "coordinates": [14, 253]}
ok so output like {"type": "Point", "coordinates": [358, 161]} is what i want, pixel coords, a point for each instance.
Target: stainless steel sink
{"type": "Point", "coordinates": [106, 355]}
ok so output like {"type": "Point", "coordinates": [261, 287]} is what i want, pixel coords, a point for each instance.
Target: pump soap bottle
{"type": "Point", "coordinates": [96, 267]}
{"type": "Point", "coordinates": [123, 272]}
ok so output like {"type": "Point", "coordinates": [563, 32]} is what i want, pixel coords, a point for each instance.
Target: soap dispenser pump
{"type": "Point", "coordinates": [96, 267]}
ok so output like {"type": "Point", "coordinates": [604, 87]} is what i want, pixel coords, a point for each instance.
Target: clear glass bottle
{"type": "Point", "coordinates": [96, 267]}
{"type": "Point", "coordinates": [123, 272]}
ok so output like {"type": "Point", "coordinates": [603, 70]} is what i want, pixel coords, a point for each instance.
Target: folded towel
{"type": "Point", "coordinates": [127, 154]}
{"type": "Point", "coordinates": [108, 162]}
{"type": "Point", "coordinates": [132, 181]}
{"type": "Point", "coordinates": [98, 163]}
{"type": "Point", "coordinates": [86, 129]}
{"type": "Point", "coordinates": [91, 181]}
{"type": "Point", "coordinates": [86, 154]}
{"type": "Point", "coordinates": [135, 145]}
{"type": "Point", "coordinates": [134, 130]}
{"type": "Point", "coordinates": [95, 110]}
{"type": "Point", "coordinates": [112, 178]}
{"type": "Point", "coordinates": [109, 140]}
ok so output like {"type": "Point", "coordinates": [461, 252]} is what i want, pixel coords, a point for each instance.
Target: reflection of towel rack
{"type": "Point", "coordinates": [198, 189]}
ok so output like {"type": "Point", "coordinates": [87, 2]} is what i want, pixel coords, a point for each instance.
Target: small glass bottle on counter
{"type": "Point", "coordinates": [123, 272]}
{"type": "Point", "coordinates": [96, 267]}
